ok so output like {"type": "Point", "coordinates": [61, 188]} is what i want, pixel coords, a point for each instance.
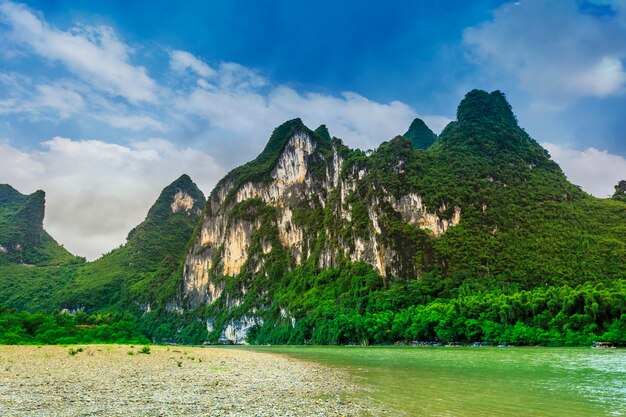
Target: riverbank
{"type": "Point", "coordinates": [184, 381]}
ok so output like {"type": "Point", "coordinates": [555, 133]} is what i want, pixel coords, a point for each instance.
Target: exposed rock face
{"type": "Point", "coordinates": [236, 331]}
{"type": "Point", "coordinates": [182, 202]}
{"type": "Point", "coordinates": [247, 224]}
{"type": "Point", "coordinates": [414, 212]}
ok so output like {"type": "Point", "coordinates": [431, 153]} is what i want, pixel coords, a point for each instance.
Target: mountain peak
{"type": "Point", "coordinates": [182, 195]}
{"type": "Point", "coordinates": [260, 169]}
{"type": "Point", "coordinates": [145, 267]}
{"type": "Point", "coordinates": [25, 212]}
{"type": "Point", "coordinates": [22, 236]}
{"type": "Point", "coordinates": [420, 134]}
{"type": "Point", "coordinates": [185, 183]}
{"type": "Point", "coordinates": [8, 193]}
{"type": "Point", "coordinates": [174, 213]}
{"type": "Point", "coordinates": [620, 191]}
{"type": "Point", "coordinates": [322, 131]}
{"type": "Point", "coordinates": [479, 106]}
{"type": "Point", "coordinates": [187, 196]}
{"type": "Point", "coordinates": [281, 135]}
{"type": "Point", "coordinates": [284, 133]}
{"type": "Point", "coordinates": [184, 178]}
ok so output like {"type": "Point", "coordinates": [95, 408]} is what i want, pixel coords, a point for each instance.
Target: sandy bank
{"type": "Point", "coordinates": [104, 380]}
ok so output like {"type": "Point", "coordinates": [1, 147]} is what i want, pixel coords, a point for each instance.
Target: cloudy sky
{"type": "Point", "coordinates": [102, 104]}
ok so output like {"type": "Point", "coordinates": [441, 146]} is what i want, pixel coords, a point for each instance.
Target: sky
{"type": "Point", "coordinates": [103, 104]}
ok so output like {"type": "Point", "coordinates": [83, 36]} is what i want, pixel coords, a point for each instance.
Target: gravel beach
{"type": "Point", "coordinates": [107, 380]}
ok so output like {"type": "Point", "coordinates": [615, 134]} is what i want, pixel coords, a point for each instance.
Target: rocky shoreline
{"type": "Point", "coordinates": [119, 380]}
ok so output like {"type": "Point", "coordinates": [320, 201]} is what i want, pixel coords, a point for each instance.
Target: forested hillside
{"type": "Point", "coordinates": [472, 235]}
{"type": "Point", "coordinates": [320, 243]}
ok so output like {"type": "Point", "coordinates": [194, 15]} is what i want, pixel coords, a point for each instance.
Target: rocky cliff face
{"type": "Point", "coordinates": [315, 206]}
{"type": "Point", "coordinates": [313, 242]}
{"type": "Point", "coordinates": [468, 207]}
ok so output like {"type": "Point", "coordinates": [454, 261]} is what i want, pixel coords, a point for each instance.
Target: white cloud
{"type": "Point", "coordinates": [204, 84]}
{"type": "Point", "coordinates": [552, 50]}
{"type": "Point", "coordinates": [250, 114]}
{"type": "Point", "coordinates": [234, 76]}
{"type": "Point", "coordinates": [67, 98]}
{"type": "Point", "coordinates": [596, 171]}
{"type": "Point", "coordinates": [223, 102]}
{"type": "Point", "coordinates": [134, 123]}
{"type": "Point", "coordinates": [602, 79]}
{"type": "Point", "coordinates": [94, 54]}
{"type": "Point", "coordinates": [181, 61]}
{"type": "Point", "coordinates": [39, 101]}
{"type": "Point", "coordinates": [97, 192]}
{"type": "Point", "coordinates": [18, 166]}
{"type": "Point", "coordinates": [64, 101]}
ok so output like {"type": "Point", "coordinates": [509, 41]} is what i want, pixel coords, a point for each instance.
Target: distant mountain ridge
{"type": "Point", "coordinates": [314, 242]}
{"type": "Point", "coordinates": [22, 236]}
{"type": "Point", "coordinates": [136, 273]}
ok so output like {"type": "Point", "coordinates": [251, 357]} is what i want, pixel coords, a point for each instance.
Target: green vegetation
{"type": "Point", "coordinates": [260, 168]}
{"type": "Point", "coordinates": [534, 259]}
{"type": "Point", "coordinates": [352, 307]}
{"type": "Point", "coordinates": [420, 135]}
{"type": "Point", "coordinates": [525, 232]}
{"type": "Point", "coordinates": [146, 270]}
{"type": "Point", "coordinates": [523, 224]}
{"type": "Point", "coordinates": [620, 191]}
{"type": "Point", "coordinates": [63, 329]}
{"type": "Point", "coordinates": [34, 288]}
{"type": "Point", "coordinates": [72, 351]}
{"type": "Point", "coordinates": [22, 237]}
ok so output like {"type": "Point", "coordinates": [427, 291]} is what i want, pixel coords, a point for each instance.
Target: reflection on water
{"type": "Point", "coordinates": [483, 381]}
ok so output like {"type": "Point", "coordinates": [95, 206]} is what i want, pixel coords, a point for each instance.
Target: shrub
{"type": "Point", "coordinates": [73, 352]}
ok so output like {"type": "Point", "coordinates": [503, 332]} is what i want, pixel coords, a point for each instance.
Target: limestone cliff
{"type": "Point", "coordinates": [311, 219]}
{"type": "Point", "coordinates": [316, 203]}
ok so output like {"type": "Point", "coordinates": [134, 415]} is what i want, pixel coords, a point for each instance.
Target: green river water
{"type": "Point", "coordinates": [464, 381]}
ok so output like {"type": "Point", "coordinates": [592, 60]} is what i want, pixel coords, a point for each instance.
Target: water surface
{"type": "Point", "coordinates": [463, 381]}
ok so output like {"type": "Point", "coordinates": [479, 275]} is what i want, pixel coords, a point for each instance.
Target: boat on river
{"type": "Point", "coordinates": [603, 345]}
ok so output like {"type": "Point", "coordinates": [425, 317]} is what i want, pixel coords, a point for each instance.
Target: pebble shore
{"type": "Point", "coordinates": [107, 380]}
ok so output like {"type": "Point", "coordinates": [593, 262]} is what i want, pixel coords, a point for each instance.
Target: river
{"type": "Point", "coordinates": [485, 381]}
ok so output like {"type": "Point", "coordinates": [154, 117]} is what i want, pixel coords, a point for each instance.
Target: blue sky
{"type": "Point", "coordinates": [102, 104]}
